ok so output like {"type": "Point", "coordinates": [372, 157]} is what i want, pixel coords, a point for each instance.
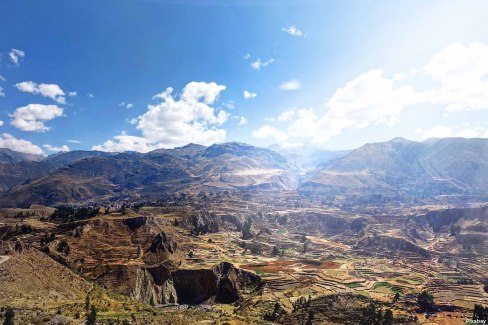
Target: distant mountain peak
{"type": "Point", "coordinates": [11, 156]}
{"type": "Point", "coordinates": [234, 148]}
{"type": "Point", "coordinates": [191, 145]}
{"type": "Point", "coordinates": [400, 140]}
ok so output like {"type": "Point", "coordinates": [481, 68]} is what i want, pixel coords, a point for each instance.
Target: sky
{"type": "Point", "coordinates": [139, 75]}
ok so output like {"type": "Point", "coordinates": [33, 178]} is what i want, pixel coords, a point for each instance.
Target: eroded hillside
{"type": "Point", "coordinates": [243, 257]}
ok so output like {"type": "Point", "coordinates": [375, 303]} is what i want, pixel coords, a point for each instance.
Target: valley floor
{"type": "Point", "coordinates": [241, 259]}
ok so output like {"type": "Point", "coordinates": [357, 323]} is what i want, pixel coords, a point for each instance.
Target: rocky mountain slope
{"type": "Point", "coordinates": [422, 169]}
{"type": "Point", "coordinates": [102, 177]}
{"type": "Point", "coordinates": [397, 168]}
{"type": "Point", "coordinates": [10, 156]}
{"type": "Point", "coordinates": [17, 168]}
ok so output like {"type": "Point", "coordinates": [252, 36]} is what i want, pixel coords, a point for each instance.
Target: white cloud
{"type": "Point", "coordinates": [10, 142]}
{"type": "Point", "coordinates": [1, 89]}
{"type": "Point", "coordinates": [248, 94]}
{"type": "Point", "coordinates": [268, 131]}
{"type": "Point", "coordinates": [27, 87]}
{"type": "Point", "coordinates": [175, 122]}
{"type": "Point", "coordinates": [438, 131]}
{"type": "Point", "coordinates": [443, 131]}
{"type": "Point", "coordinates": [293, 31]}
{"type": "Point", "coordinates": [73, 141]}
{"type": "Point", "coordinates": [286, 116]}
{"type": "Point", "coordinates": [16, 56]}
{"type": "Point", "coordinates": [462, 71]}
{"type": "Point", "coordinates": [1, 123]}
{"type": "Point", "coordinates": [52, 91]}
{"type": "Point", "coordinates": [126, 105]}
{"type": "Point", "coordinates": [471, 133]}
{"type": "Point", "coordinates": [32, 117]}
{"type": "Point", "coordinates": [132, 121]}
{"type": "Point", "coordinates": [246, 56]}
{"type": "Point", "coordinates": [63, 148]}
{"type": "Point", "coordinates": [124, 142]}
{"type": "Point", "coordinates": [456, 79]}
{"type": "Point", "coordinates": [230, 105]}
{"type": "Point", "coordinates": [72, 94]}
{"type": "Point", "coordinates": [90, 96]}
{"type": "Point", "coordinates": [242, 120]}
{"type": "Point", "coordinates": [368, 99]}
{"type": "Point", "coordinates": [258, 64]}
{"type": "Point", "coordinates": [290, 85]}
{"type": "Point", "coordinates": [305, 124]}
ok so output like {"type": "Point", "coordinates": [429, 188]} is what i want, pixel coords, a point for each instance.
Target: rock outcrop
{"type": "Point", "coordinates": [222, 284]}
{"type": "Point", "coordinates": [154, 286]}
{"type": "Point", "coordinates": [162, 243]}
{"type": "Point", "coordinates": [392, 245]}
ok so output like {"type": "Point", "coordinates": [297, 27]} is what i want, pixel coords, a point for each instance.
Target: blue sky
{"type": "Point", "coordinates": [335, 74]}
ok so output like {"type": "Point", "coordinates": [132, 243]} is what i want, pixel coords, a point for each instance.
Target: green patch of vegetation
{"type": "Point", "coordinates": [334, 272]}
{"type": "Point", "coordinates": [396, 289]}
{"type": "Point", "coordinates": [383, 287]}
{"type": "Point", "coordinates": [353, 285]}
{"type": "Point", "coordinates": [362, 293]}
{"type": "Point", "coordinates": [365, 271]}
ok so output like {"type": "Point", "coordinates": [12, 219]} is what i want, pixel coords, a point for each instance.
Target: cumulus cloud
{"type": "Point", "coordinates": [72, 94]}
{"type": "Point", "coordinates": [293, 31]}
{"type": "Point", "coordinates": [63, 148]}
{"type": "Point", "coordinates": [438, 131]}
{"type": "Point", "coordinates": [290, 85]}
{"type": "Point", "coordinates": [176, 121]}
{"type": "Point", "coordinates": [1, 123]}
{"type": "Point", "coordinates": [248, 94]}
{"type": "Point", "coordinates": [52, 91]}
{"type": "Point", "coordinates": [368, 99]}
{"type": "Point", "coordinates": [126, 105]}
{"type": "Point", "coordinates": [16, 56]}
{"type": "Point", "coordinates": [443, 131]}
{"type": "Point", "coordinates": [10, 142]}
{"type": "Point", "coordinates": [305, 124]}
{"type": "Point", "coordinates": [242, 120]}
{"type": "Point", "coordinates": [268, 131]}
{"type": "Point", "coordinates": [258, 64]}
{"type": "Point", "coordinates": [462, 72]}
{"type": "Point", "coordinates": [455, 78]}
{"type": "Point", "coordinates": [124, 142]}
{"type": "Point", "coordinates": [286, 116]}
{"type": "Point", "coordinates": [33, 116]}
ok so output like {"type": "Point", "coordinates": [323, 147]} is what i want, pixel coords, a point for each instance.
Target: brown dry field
{"type": "Point", "coordinates": [284, 265]}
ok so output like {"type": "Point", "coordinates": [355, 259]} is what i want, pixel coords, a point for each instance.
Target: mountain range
{"type": "Point", "coordinates": [449, 166]}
